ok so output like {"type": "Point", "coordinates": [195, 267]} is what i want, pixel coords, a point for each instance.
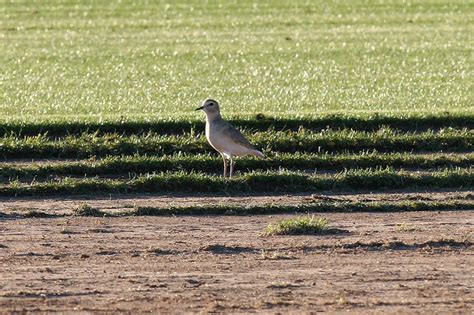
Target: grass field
{"type": "Point", "coordinates": [141, 60]}
{"type": "Point", "coordinates": [364, 108]}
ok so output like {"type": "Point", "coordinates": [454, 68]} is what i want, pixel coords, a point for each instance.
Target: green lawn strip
{"type": "Point", "coordinates": [382, 206]}
{"type": "Point", "coordinates": [283, 181]}
{"type": "Point", "coordinates": [87, 210]}
{"type": "Point", "coordinates": [87, 145]}
{"type": "Point", "coordinates": [125, 165]}
{"type": "Point", "coordinates": [361, 122]}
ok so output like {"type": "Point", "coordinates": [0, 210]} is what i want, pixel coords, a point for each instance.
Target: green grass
{"type": "Point", "coordinates": [257, 182]}
{"type": "Point", "coordinates": [126, 165]}
{"type": "Point", "coordinates": [372, 90]}
{"type": "Point", "coordinates": [88, 145]}
{"type": "Point", "coordinates": [172, 125]}
{"type": "Point", "coordinates": [316, 207]}
{"type": "Point", "coordinates": [261, 209]}
{"type": "Point", "coordinates": [146, 60]}
{"type": "Point", "coordinates": [299, 226]}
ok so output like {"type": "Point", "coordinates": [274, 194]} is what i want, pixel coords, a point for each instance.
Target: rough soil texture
{"type": "Point", "coordinates": [397, 262]}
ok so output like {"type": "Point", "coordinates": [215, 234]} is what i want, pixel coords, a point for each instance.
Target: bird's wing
{"type": "Point", "coordinates": [236, 136]}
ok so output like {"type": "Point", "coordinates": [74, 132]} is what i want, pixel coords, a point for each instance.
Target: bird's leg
{"type": "Point", "coordinates": [231, 166]}
{"type": "Point", "coordinates": [225, 165]}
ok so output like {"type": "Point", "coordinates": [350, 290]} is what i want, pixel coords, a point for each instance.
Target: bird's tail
{"type": "Point", "coordinates": [258, 153]}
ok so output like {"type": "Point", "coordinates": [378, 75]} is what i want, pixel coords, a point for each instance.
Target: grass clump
{"type": "Point", "coordinates": [39, 214]}
{"type": "Point", "coordinates": [406, 227]}
{"type": "Point", "coordinates": [274, 255]}
{"type": "Point", "coordinates": [86, 210]}
{"type": "Point", "coordinates": [299, 226]}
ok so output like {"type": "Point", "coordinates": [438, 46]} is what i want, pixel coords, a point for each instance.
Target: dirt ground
{"type": "Point", "coordinates": [416, 262]}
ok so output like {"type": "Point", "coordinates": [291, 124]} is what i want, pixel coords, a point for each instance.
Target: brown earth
{"type": "Point", "coordinates": [394, 262]}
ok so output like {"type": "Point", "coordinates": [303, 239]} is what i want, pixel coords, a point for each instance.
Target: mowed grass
{"type": "Point", "coordinates": [92, 144]}
{"type": "Point", "coordinates": [138, 164]}
{"type": "Point", "coordinates": [137, 60]}
{"type": "Point", "coordinates": [182, 162]}
{"type": "Point", "coordinates": [258, 182]}
{"type": "Point", "coordinates": [419, 121]}
{"type": "Point", "coordinates": [340, 95]}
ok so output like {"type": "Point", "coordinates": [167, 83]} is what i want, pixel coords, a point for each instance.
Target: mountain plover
{"type": "Point", "coordinates": [223, 137]}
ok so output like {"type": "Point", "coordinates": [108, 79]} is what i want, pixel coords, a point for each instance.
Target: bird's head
{"type": "Point", "coordinates": [209, 106]}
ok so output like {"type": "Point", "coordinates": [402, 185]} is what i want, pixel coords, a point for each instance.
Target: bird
{"type": "Point", "coordinates": [224, 137]}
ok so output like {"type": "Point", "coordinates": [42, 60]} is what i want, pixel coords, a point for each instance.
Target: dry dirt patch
{"type": "Point", "coordinates": [221, 264]}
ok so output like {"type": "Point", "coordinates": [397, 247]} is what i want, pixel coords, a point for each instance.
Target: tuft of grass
{"type": "Point", "coordinates": [341, 299]}
{"type": "Point", "coordinates": [159, 251]}
{"type": "Point", "coordinates": [307, 225]}
{"type": "Point", "coordinates": [66, 230]}
{"type": "Point", "coordinates": [281, 285]}
{"type": "Point", "coordinates": [39, 214]}
{"type": "Point", "coordinates": [86, 210]}
{"type": "Point", "coordinates": [274, 255]}
{"type": "Point", "coordinates": [406, 227]}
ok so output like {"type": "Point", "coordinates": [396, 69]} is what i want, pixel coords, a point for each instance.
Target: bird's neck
{"type": "Point", "coordinates": [210, 117]}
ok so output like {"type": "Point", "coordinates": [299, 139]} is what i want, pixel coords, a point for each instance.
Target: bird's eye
{"type": "Point", "coordinates": [211, 104]}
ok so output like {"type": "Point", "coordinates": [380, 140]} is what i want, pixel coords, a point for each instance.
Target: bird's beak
{"type": "Point", "coordinates": [199, 108]}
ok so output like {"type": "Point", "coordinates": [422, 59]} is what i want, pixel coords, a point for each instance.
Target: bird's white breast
{"type": "Point", "coordinates": [223, 143]}
{"type": "Point", "coordinates": [214, 136]}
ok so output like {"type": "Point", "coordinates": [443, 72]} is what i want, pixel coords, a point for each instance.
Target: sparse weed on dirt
{"type": "Point", "coordinates": [275, 255]}
{"type": "Point", "coordinates": [159, 251]}
{"type": "Point", "coordinates": [67, 231]}
{"type": "Point", "coordinates": [407, 227]}
{"type": "Point", "coordinates": [86, 210]}
{"type": "Point", "coordinates": [39, 214]}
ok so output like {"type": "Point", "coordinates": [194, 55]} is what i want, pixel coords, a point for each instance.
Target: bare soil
{"type": "Point", "coordinates": [397, 262]}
